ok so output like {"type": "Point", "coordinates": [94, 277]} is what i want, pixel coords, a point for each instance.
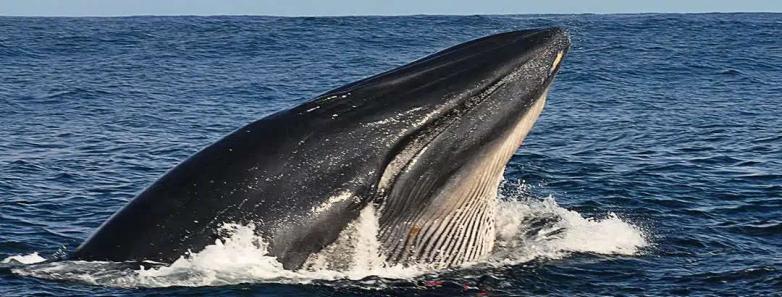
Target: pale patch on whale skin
{"type": "Point", "coordinates": [556, 62]}
{"type": "Point", "coordinates": [334, 199]}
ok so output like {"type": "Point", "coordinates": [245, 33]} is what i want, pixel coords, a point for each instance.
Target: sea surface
{"type": "Point", "coordinates": [655, 168]}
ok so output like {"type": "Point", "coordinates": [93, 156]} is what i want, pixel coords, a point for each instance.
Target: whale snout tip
{"type": "Point", "coordinates": [555, 42]}
{"type": "Point", "coordinates": [550, 39]}
{"type": "Point", "coordinates": [557, 37]}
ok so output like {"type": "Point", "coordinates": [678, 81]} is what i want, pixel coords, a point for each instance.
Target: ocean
{"type": "Point", "coordinates": [655, 168]}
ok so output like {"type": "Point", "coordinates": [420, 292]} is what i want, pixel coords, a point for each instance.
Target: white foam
{"type": "Point", "coordinates": [533, 229]}
{"type": "Point", "coordinates": [24, 259]}
{"type": "Point", "coordinates": [527, 229]}
{"type": "Point", "coordinates": [243, 257]}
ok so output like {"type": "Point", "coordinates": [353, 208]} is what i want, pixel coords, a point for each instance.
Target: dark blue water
{"type": "Point", "coordinates": [671, 122]}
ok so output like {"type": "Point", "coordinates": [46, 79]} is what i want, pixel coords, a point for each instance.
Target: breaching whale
{"type": "Point", "coordinates": [425, 143]}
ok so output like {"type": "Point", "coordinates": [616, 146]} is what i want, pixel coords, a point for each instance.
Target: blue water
{"type": "Point", "coordinates": [670, 121]}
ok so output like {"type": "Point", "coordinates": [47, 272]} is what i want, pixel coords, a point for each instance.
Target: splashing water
{"type": "Point", "coordinates": [543, 229]}
{"type": "Point", "coordinates": [527, 229]}
{"type": "Point", "coordinates": [24, 259]}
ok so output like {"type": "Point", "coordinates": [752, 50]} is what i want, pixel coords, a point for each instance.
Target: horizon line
{"type": "Point", "coordinates": [389, 15]}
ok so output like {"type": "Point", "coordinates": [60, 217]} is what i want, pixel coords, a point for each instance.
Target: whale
{"type": "Point", "coordinates": [424, 144]}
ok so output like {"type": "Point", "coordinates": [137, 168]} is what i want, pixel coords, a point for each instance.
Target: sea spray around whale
{"type": "Point", "coordinates": [528, 228]}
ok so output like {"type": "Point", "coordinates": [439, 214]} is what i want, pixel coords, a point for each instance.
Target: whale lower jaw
{"type": "Point", "coordinates": [458, 228]}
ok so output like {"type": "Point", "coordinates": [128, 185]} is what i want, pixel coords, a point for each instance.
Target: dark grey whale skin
{"type": "Point", "coordinates": [286, 173]}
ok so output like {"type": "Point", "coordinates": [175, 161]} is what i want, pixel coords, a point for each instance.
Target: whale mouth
{"type": "Point", "coordinates": [452, 224]}
{"type": "Point", "coordinates": [436, 194]}
{"type": "Point", "coordinates": [437, 179]}
{"type": "Point", "coordinates": [528, 229]}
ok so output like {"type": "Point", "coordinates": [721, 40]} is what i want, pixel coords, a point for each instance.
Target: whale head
{"type": "Point", "coordinates": [425, 144]}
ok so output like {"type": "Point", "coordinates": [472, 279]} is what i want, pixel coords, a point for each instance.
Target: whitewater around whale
{"type": "Point", "coordinates": [242, 256]}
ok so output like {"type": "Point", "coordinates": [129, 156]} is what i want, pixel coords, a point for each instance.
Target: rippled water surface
{"type": "Point", "coordinates": [655, 169]}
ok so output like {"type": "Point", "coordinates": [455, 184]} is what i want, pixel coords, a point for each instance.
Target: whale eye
{"type": "Point", "coordinates": [556, 62]}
